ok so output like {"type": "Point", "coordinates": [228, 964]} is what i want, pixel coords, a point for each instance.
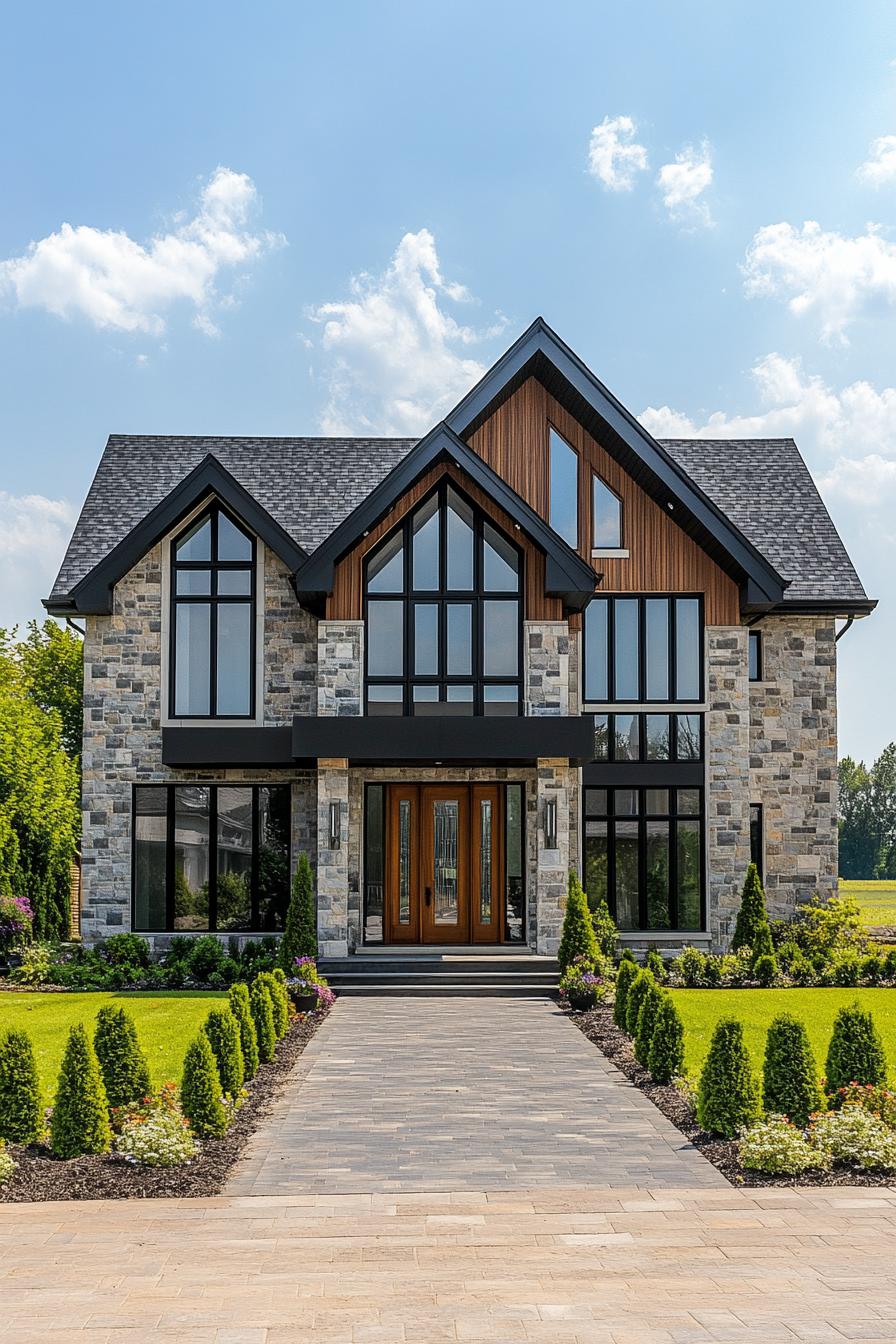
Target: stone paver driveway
{"type": "Point", "coordinates": [417, 1094]}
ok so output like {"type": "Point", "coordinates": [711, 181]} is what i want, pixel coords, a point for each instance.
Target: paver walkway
{"type": "Point", "coordinates": [544, 1267]}
{"type": "Point", "coordinates": [420, 1094]}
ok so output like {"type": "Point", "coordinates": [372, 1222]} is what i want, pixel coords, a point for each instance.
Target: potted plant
{"type": "Point", "coordinates": [308, 989]}
{"type": "Point", "coordinates": [580, 985]}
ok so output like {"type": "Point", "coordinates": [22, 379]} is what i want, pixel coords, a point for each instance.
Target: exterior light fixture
{"type": "Point", "coordinates": [550, 823]}
{"type": "Point", "coordinates": [335, 825]}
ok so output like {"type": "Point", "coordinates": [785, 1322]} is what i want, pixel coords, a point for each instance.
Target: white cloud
{"type": "Point", "coordinates": [105, 276]}
{"type": "Point", "coordinates": [614, 155]}
{"type": "Point", "coordinates": [683, 183]}
{"type": "Point", "coordinates": [396, 359]}
{"type": "Point", "coordinates": [34, 532]}
{"type": "Point", "coordinates": [880, 166]}
{"type": "Point", "coordinates": [822, 274]}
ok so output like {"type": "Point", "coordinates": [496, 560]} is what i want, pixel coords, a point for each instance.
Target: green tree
{"type": "Point", "coordinates": [49, 659]}
{"type": "Point", "coordinates": [752, 927]}
{"type": "Point", "coordinates": [856, 1052]}
{"type": "Point", "coordinates": [223, 1032]}
{"type": "Point", "coordinates": [647, 1015]}
{"type": "Point", "coordinates": [238, 1002]}
{"type": "Point", "coordinates": [789, 1076]}
{"type": "Point", "coordinates": [200, 1090]}
{"type": "Point", "coordinates": [300, 933]}
{"type": "Point", "coordinates": [626, 974]}
{"type": "Point", "coordinates": [21, 1109]}
{"type": "Point", "coordinates": [633, 1000]}
{"type": "Point", "coordinates": [122, 1061]}
{"type": "Point", "coordinates": [80, 1119]}
{"type": "Point", "coordinates": [728, 1097]}
{"type": "Point", "coordinates": [665, 1059]}
{"type": "Point", "coordinates": [263, 1017]}
{"type": "Point", "coordinates": [577, 938]}
{"type": "Point", "coordinates": [605, 930]}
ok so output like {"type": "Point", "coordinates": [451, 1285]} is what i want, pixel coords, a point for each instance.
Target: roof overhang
{"type": "Point", "coordinates": [567, 575]}
{"type": "Point", "coordinates": [93, 593]}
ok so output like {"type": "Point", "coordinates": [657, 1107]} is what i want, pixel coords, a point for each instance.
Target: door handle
{"type": "Point", "coordinates": [427, 895]}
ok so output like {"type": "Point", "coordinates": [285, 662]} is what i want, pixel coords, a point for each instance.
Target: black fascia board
{"type": "Point", "coordinates": [93, 593]}
{"type": "Point", "coordinates": [567, 575]}
{"type": "Point", "coordinates": [231, 746]}
{"type": "Point", "coordinates": [540, 353]}
{"type": "Point", "coordinates": [649, 774]}
{"type": "Point", "coordinates": [440, 739]}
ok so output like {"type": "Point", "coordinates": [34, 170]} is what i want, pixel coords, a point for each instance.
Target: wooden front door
{"type": "Point", "coordinates": [444, 863]}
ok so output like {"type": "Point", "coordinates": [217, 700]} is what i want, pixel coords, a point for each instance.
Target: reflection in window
{"type": "Point", "coordinates": [564, 489]}
{"type": "Point", "coordinates": [755, 650]}
{"type": "Point", "coordinates": [664, 663]}
{"type": "Point", "coordinates": [514, 873]}
{"type": "Point", "coordinates": [648, 737]}
{"type": "Point", "coordinates": [235, 825]}
{"type": "Point", "coordinates": [606, 527]}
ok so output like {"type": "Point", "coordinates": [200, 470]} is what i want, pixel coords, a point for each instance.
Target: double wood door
{"type": "Point", "coordinates": [444, 863]}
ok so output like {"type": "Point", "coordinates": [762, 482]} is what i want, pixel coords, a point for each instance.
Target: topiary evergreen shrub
{"type": "Point", "coordinates": [279, 1001]}
{"type": "Point", "coordinates": [238, 1002]}
{"type": "Point", "coordinates": [728, 1096]}
{"type": "Point", "coordinates": [789, 1077]}
{"type": "Point", "coordinates": [263, 1017]}
{"type": "Point", "coordinates": [656, 966]}
{"type": "Point", "coordinates": [856, 1052]}
{"type": "Point", "coordinates": [628, 955]}
{"type": "Point", "coordinates": [752, 927]}
{"type": "Point", "coordinates": [21, 1108]}
{"type": "Point", "coordinates": [200, 1090]}
{"type": "Point", "coordinates": [765, 968]}
{"type": "Point", "coordinates": [223, 1032]}
{"type": "Point", "coordinates": [635, 997]}
{"type": "Point", "coordinates": [665, 1059]}
{"type": "Point", "coordinates": [577, 938]}
{"type": "Point", "coordinates": [604, 925]}
{"type": "Point", "coordinates": [300, 931]}
{"type": "Point", "coordinates": [122, 1062]}
{"type": "Point", "coordinates": [625, 975]}
{"type": "Point", "coordinates": [647, 1014]}
{"type": "Point", "coordinates": [80, 1120]}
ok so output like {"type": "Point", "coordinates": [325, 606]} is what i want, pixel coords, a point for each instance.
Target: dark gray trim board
{"type": "Point", "coordinates": [222, 746]}
{"type": "Point", "coordinates": [436, 739]}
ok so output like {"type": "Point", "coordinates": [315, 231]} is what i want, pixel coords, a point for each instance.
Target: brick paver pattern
{"type": "Point", "coordinates": [417, 1094]}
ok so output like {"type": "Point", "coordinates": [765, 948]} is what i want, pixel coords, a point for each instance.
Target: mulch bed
{"type": "Point", "coordinates": [601, 1030]}
{"type": "Point", "coordinates": [41, 1176]}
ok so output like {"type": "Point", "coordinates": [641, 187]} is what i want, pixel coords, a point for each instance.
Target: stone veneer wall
{"type": "Point", "coordinates": [340, 668]}
{"type": "Point", "coordinates": [123, 727]}
{"type": "Point", "coordinates": [727, 776]}
{"type": "Point", "coordinates": [550, 668]}
{"type": "Point", "coordinates": [793, 758]}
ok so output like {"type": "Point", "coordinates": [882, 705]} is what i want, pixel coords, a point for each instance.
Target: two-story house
{"type": "Point", "coordinates": [452, 669]}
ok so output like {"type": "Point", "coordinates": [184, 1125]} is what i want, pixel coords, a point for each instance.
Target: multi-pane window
{"type": "Point", "coordinates": [606, 516]}
{"type": "Point", "coordinates": [648, 737]}
{"type": "Point", "coordinates": [644, 855]}
{"type": "Point", "coordinates": [212, 619]}
{"type": "Point", "coordinates": [757, 840]}
{"type": "Point", "coordinates": [443, 614]}
{"type": "Point", "coordinates": [211, 857]}
{"type": "Point", "coordinates": [564, 489]}
{"type": "Point", "coordinates": [639, 649]}
{"type": "Point", "coordinates": [755, 651]}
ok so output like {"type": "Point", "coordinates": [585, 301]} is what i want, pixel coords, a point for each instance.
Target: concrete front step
{"type": "Point", "coordinates": [424, 971]}
{"type": "Point", "coordinates": [443, 989]}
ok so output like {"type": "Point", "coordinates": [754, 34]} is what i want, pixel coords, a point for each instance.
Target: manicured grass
{"type": "Point", "coordinates": [701, 1009]}
{"type": "Point", "coordinates": [877, 900]}
{"type": "Point", "coordinates": [166, 1023]}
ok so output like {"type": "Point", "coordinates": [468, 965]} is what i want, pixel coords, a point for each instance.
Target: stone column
{"type": "Point", "coordinates": [340, 692]}
{"type": "Point", "coordinates": [332, 864]}
{"type": "Point", "coordinates": [550, 668]}
{"type": "Point", "coordinates": [555, 780]}
{"type": "Point", "coordinates": [728, 777]}
{"type": "Point", "coordinates": [340, 667]}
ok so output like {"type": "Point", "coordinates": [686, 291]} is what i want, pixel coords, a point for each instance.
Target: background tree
{"type": "Point", "coordinates": [867, 816]}
{"type": "Point", "coordinates": [50, 662]}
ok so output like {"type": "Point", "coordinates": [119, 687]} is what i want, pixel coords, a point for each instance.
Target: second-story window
{"type": "Point", "coordinates": [606, 521]}
{"type": "Point", "coordinates": [564, 489]}
{"type": "Point", "coordinates": [643, 649]}
{"type": "Point", "coordinates": [442, 606]}
{"type": "Point", "coordinates": [212, 619]}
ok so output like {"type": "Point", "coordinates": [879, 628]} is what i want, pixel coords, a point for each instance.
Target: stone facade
{"type": "Point", "coordinates": [550, 668]}
{"type": "Point", "coordinates": [556, 782]}
{"type": "Point", "coordinates": [727, 776]}
{"type": "Point", "coordinates": [340, 667]}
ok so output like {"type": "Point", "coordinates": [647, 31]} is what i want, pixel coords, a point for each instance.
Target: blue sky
{"type": "Point", "coordinates": [293, 219]}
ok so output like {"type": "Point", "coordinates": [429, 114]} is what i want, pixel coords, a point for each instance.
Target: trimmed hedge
{"type": "Point", "coordinates": [21, 1107]}
{"type": "Point", "coordinates": [80, 1120]}
{"type": "Point", "coordinates": [122, 1062]}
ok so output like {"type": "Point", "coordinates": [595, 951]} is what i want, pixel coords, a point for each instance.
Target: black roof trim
{"type": "Point", "coordinates": [540, 353]}
{"type": "Point", "coordinates": [93, 593]}
{"type": "Point", "coordinates": [823, 606]}
{"type": "Point", "coordinates": [567, 575]}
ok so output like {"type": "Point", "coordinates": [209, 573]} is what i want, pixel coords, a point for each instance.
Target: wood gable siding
{"type": "Point", "coordinates": [662, 558]}
{"type": "Point", "coordinates": [346, 602]}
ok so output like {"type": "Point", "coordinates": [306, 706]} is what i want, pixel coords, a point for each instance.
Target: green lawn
{"type": "Point", "coordinates": [166, 1023]}
{"type": "Point", "coordinates": [701, 1009]}
{"type": "Point", "coordinates": [877, 900]}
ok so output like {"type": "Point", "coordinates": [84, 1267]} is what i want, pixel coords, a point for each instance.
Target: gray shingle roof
{"type": "Point", "coordinates": [309, 485]}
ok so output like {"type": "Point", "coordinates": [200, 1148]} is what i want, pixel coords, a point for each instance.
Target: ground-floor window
{"type": "Point", "coordinates": [757, 845]}
{"type": "Point", "coordinates": [644, 855]}
{"type": "Point", "coordinates": [211, 857]}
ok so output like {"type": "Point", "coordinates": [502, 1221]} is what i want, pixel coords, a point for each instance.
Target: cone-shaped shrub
{"type": "Point", "coordinates": [577, 938]}
{"type": "Point", "coordinates": [628, 955]}
{"type": "Point", "coordinates": [625, 975]}
{"type": "Point", "coordinates": [21, 1109]}
{"type": "Point", "coordinates": [751, 929]}
{"type": "Point", "coordinates": [279, 1001]}
{"type": "Point", "coordinates": [263, 1017]}
{"type": "Point", "coordinates": [604, 925]}
{"type": "Point", "coordinates": [200, 1090]}
{"type": "Point", "coordinates": [122, 1062]}
{"type": "Point", "coordinates": [300, 931]}
{"type": "Point", "coordinates": [223, 1032]}
{"type": "Point", "coordinates": [656, 966]}
{"type": "Point", "coordinates": [650, 1006]}
{"type": "Point", "coordinates": [728, 1098]}
{"type": "Point", "coordinates": [765, 969]}
{"type": "Point", "coordinates": [666, 1057]}
{"type": "Point", "coordinates": [635, 997]}
{"type": "Point", "coordinates": [80, 1120]}
{"type": "Point", "coordinates": [856, 1052]}
{"type": "Point", "coordinates": [789, 1076]}
{"type": "Point", "coordinates": [238, 1001]}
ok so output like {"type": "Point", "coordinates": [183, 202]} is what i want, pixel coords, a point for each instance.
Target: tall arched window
{"type": "Point", "coordinates": [442, 604]}
{"type": "Point", "coordinates": [212, 619]}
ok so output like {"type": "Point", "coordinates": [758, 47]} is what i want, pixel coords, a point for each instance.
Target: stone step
{"type": "Point", "coordinates": [516, 989]}
{"type": "Point", "coordinates": [424, 971]}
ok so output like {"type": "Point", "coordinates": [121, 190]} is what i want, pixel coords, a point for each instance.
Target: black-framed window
{"type": "Point", "coordinates": [639, 648]}
{"type": "Point", "coordinates": [606, 516]}
{"type": "Point", "coordinates": [443, 613]}
{"type": "Point", "coordinates": [648, 737]}
{"type": "Point", "coordinates": [210, 858]}
{"type": "Point", "coordinates": [212, 649]}
{"type": "Point", "coordinates": [563, 488]}
{"type": "Point", "coordinates": [643, 850]}
{"type": "Point", "coordinates": [755, 652]}
{"type": "Point", "coordinates": [757, 839]}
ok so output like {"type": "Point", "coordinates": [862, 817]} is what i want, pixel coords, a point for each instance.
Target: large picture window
{"type": "Point", "coordinates": [212, 619]}
{"type": "Point", "coordinates": [442, 606]}
{"type": "Point", "coordinates": [564, 489]}
{"type": "Point", "coordinates": [644, 856]}
{"type": "Point", "coordinates": [211, 857]}
{"type": "Point", "coordinates": [642, 649]}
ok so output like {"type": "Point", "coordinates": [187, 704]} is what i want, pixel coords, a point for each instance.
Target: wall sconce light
{"type": "Point", "coordinates": [550, 823]}
{"type": "Point", "coordinates": [335, 825]}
